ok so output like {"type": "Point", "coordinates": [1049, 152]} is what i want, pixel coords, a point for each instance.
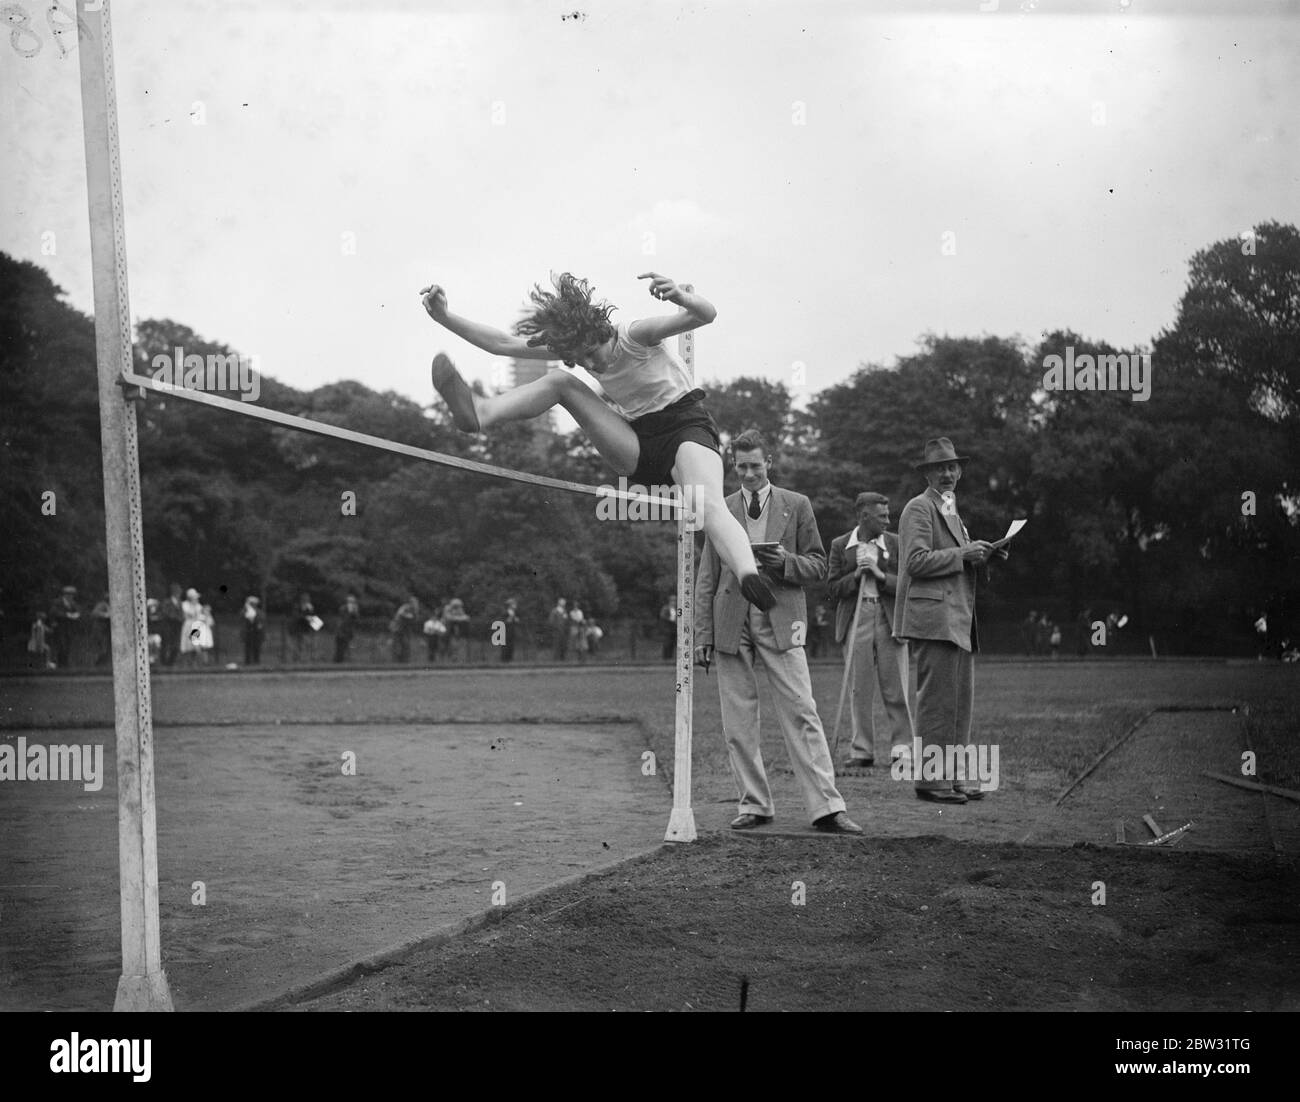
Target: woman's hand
{"type": "Point", "coordinates": [434, 300]}
{"type": "Point", "coordinates": [661, 287]}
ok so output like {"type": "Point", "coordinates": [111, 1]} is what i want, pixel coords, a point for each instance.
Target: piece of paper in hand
{"type": "Point", "coordinates": [1014, 527]}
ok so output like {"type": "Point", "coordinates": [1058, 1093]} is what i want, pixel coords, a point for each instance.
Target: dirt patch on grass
{"type": "Point", "coordinates": [898, 924]}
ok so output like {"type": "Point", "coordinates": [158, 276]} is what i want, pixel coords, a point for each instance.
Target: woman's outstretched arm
{"type": "Point", "coordinates": [489, 339]}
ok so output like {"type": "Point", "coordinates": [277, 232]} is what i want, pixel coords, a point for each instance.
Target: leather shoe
{"type": "Point", "coordinates": [857, 763]}
{"type": "Point", "coordinates": [940, 796]}
{"type": "Point", "coordinates": [749, 822]}
{"type": "Point", "coordinates": [972, 793]}
{"type": "Point", "coordinates": [837, 823]}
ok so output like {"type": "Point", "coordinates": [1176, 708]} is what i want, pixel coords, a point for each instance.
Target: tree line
{"type": "Point", "coordinates": [1179, 508]}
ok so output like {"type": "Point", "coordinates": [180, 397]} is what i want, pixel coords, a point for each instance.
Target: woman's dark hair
{"type": "Point", "coordinates": [566, 320]}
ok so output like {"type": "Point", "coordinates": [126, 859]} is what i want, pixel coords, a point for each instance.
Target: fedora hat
{"type": "Point", "coordinates": [938, 450]}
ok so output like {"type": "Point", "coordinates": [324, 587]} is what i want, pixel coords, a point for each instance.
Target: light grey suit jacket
{"type": "Point", "coordinates": [720, 607]}
{"type": "Point", "coordinates": [936, 587]}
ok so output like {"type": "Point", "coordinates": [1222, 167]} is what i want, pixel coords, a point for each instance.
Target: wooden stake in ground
{"type": "Point", "coordinates": [848, 674]}
{"type": "Point", "coordinates": [1254, 786]}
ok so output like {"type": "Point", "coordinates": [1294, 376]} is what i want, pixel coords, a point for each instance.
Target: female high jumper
{"type": "Point", "coordinates": [665, 435]}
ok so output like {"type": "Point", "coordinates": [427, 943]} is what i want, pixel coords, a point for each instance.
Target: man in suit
{"type": "Point", "coordinates": [934, 610]}
{"type": "Point", "coordinates": [864, 566]}
{"type": "Point", "coordinates": [738, 633]}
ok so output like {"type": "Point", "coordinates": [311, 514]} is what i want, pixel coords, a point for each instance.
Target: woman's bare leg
{"type": "Point", "coordinates": [701, 468]}
{"type": "Point", "coordinates": [609, 433]}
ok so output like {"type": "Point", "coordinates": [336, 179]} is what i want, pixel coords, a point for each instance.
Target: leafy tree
{"type": "Point", "coordinates": [50, 444]}
{"type": "Point", "coordinates": [752, 403]}
{"type": "Point", "coordinates": [978, 392]}
{"type": "Point", "coordinates": [1240, 316]}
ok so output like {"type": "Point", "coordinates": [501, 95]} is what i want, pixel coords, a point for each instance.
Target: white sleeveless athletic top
{"type": "Point", "coordinates": [643, 379]}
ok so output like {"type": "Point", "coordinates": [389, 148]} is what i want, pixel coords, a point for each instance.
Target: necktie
{"type": "Point", "coordinates": [755, 507]}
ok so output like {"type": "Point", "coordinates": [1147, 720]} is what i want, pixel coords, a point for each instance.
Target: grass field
{"type": "Point", "coordinates": [472, 778]}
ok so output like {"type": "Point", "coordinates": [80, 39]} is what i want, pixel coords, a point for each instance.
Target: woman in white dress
{"type": "Point", "coordinates": [192, 613]}
{"type": "Point", "coordinates": [205, 639]}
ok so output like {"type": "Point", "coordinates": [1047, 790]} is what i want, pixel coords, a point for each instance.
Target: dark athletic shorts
{"type": "Point", "coordinates": [661, 432]}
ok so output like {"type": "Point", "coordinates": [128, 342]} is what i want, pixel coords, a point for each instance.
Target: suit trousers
{"type": "Point", "coordinates": [945, 696]}
{"type": "Point", "coordinates": [878, 660]}
{"type": "Point", "coordinates": [796, 712]}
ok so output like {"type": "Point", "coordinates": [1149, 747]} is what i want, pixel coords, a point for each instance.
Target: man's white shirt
{"type": "Point", "coordinates": [871, 552]}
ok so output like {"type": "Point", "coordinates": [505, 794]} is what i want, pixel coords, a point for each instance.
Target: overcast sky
{"type": "Point", "coordinates": [800, 163]}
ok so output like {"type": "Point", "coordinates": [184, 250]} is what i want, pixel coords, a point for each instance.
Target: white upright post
{"type": "Point", "coordinates": [681, 823]}
{"type": "Point", "coordinates": [143, 983]}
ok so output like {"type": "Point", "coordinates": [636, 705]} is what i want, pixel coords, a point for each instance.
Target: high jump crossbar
{"type": "Point", "coordinates": [337, 432]}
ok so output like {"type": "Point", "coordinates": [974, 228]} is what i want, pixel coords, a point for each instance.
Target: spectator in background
{"type": "Point", "coordinates": [303, 627]}
{"type": "Point", "coordinates": [668, 627]}
{"type": "Point", "coordinates": [1043, 634]}
{"type": "Point", "coordinates": [578, 632]}
{"type": "Point", "coordinates": [1261, 634]}
{"type": "Point", "coordinates": [65, 623]}
{"type": "Point", "coordinates": [192, 609]}
{"type": "Point", "coordinates": [349, 617]}
{"type": "Point", "coordinates": [1084, 641]}
{"type": "Point", "coordinates": [558, 621]}
{"type": "Point", "coordinates": [819, 629]}
{"type": "Point", "coordinates": [252, 630]}
{"type": "Point", "coordinates": [510, 624]}
{"type": "Point", "coordinates": [402, 626]}
{"type": "Point", "coordinates": [101, 623]}
{"type": "Point", "coordinates": [154, 622]}
{"type": "Point", "coordinates": [38, 645]}
{"type": "Point", "coordinates": [457, 629]}
{"type": "Point", "coordinates": [172, 615]}
{"type": "Point", "coordinates": [1054, 639]}
{"type": "Point", "coordinates": [1029, 633]}
{"type": "Point", "coordinates": [435, 635]}
{"type": "Point", "coordinates": [593, 634]}
{"type": "Point", "coordinates": [205, 636]}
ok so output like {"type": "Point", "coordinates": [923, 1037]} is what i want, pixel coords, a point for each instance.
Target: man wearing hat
{"type": "Point", "coordinates": [934, 611]}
